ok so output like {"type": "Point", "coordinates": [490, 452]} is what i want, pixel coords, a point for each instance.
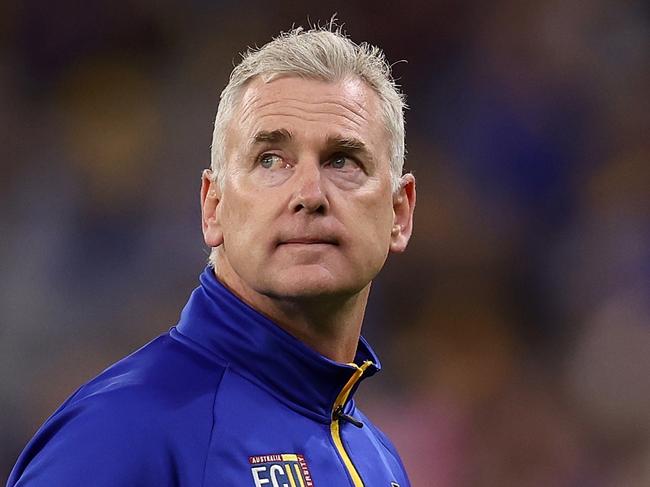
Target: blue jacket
{"type": "Point", "coordinates": [225, 398]}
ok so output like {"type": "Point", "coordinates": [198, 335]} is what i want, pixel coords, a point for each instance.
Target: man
{"type": "Point", "coordinates": [253, 387]}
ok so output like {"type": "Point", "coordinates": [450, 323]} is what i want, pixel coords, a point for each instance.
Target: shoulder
{"type": "Point", "coordinates": [126, 423]}
{"type": "Point", "coordinates": [155, 375]}
{"type": "Point", "coordinates": [164, 378]}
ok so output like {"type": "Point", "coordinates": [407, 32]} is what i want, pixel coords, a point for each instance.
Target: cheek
{"type": "Point", "coordinates": [235, 218]}
{"type": "Point", "coordinates": [378, 213]}
{"type": "Point", "coordinates": [371, 227]}
{"type": "Point", "coordinates": [247, 224]}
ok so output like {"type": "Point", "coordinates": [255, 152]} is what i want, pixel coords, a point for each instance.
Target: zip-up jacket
{"type": "Point", "coordinates": [225, 398]}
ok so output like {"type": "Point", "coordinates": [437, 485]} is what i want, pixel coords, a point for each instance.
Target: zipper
{"type": "Point", "coordinates": [338, 415]}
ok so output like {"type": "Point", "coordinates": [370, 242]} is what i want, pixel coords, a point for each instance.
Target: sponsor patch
{"type": "Point", "coordinates": [280, 470]}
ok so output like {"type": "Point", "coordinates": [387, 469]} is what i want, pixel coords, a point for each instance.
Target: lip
{"type": "Point", "coordinates": [308, 241]}
{"type": "Point", "coordinates": [302, 241]}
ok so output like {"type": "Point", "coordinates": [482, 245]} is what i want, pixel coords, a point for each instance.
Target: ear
{"type": "Point", "coordinates": [210, 197]}
{"type": "Point", "coordinates": [403, 208]}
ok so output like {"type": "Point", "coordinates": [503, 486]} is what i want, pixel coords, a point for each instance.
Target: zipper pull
{"type": "Point", "coordinates": [340, 415]}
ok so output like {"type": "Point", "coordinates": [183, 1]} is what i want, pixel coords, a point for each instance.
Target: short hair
{"type": "Point", "coordinates": [323, 54]}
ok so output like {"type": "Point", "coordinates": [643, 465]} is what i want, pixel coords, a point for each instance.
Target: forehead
{"type": "Point", "coordinates": [311, 109]}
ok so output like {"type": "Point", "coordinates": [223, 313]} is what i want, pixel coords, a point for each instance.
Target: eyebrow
{"type": "Point", "coordinates": [273, 136]}
{"type": "Point", "coordinates": [347, 143]}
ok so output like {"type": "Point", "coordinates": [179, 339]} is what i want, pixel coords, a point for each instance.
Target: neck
{"type": "Point", "coordinates": [331, 325]}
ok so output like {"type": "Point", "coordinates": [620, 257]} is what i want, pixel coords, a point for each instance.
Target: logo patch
{"type": "Point", "coordinates": [280, 470]}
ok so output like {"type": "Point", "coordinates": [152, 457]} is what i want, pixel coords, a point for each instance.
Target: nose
{"type": "Point", "coordinates": [310, 195]}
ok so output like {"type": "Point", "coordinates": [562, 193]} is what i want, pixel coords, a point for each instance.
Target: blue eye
{"type": "Point", "coordinates": [267, 161]}
{"type": "Point", "coordinates": [338, 161]}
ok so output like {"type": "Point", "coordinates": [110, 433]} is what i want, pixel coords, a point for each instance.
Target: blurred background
{"type": "Point", "coordinates": [514, 332]}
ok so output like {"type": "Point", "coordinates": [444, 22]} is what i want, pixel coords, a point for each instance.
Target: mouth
{"type": "Point", "coordinates": [307, 241]}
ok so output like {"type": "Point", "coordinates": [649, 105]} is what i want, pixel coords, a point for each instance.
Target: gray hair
{"type": "Point", "coordinates": [320, 53]}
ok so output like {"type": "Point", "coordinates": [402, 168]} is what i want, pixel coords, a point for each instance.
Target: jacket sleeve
{"type": "Point", "coordinates": [95, 442]}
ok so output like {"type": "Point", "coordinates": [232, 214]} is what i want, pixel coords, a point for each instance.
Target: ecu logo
{"type": "Point", "coordinates": [280, 470]}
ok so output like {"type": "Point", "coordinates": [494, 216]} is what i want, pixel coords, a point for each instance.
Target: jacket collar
{"type": "Point", "coordinates": [261, 351]}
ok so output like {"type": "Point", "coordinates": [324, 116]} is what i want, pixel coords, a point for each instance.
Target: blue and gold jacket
{"type": "Point", "coordinates": [225, 398]}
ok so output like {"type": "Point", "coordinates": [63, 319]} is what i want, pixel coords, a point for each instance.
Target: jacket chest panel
{"type": "Point", "coordinates": [259, 441]}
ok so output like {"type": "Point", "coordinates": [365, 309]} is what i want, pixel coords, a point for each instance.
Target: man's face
{"type": "Point", "coordinates": [306, 207]}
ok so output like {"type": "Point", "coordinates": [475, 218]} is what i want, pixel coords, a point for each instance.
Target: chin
{"type": "Point", "coordinates": [309, 282]}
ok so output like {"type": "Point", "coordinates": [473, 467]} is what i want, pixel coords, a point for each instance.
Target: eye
{"type": "Point", "coordinates": [341, 161]}
{"type": "Point", "coordinates": [268, 161]}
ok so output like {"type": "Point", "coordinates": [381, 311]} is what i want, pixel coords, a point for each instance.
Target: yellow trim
{"type": "Point", "coordinates": [298, 474]}
{"type": "Point", "coordinates": [287, 469]}
{"type": "Point", "coordinates": [334, 425]}
{"type": "Point", "coordinates": [289, 457]}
